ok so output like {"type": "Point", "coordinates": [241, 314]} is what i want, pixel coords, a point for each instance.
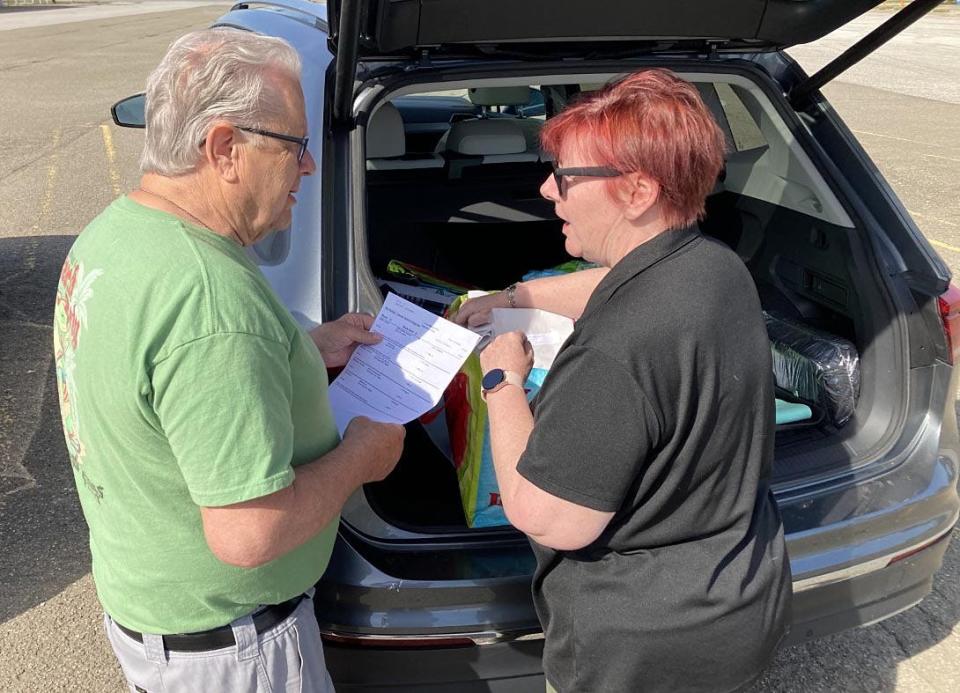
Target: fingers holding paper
{"type": "Point", "coordinates": [510, 351]}
{"type": "Point", "coordinates": [336, 340]}
{"type": "Point", "coordinates": [477, 310]}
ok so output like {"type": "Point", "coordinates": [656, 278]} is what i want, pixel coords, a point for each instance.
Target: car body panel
{"type": "Point", "coordinates": [390, 26]}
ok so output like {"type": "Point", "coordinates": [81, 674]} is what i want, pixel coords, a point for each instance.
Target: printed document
{"type": "Point", "coordinates": [545, 331]}
{"type": "Point", "coordinates": [405, 375]}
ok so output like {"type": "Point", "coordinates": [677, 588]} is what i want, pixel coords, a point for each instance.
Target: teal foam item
{"type": "Point", "coordinates": [790, 412]}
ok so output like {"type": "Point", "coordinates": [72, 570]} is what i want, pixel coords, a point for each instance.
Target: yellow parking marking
{"type": "Point", "coordinates": [947, 246]}
{"type": "Point", "coordinates": [46, 201]}
{"type": "Point", "coordinates": [938, 156]}
{"type": "Point", "coordinates": [936, 219]}
{"type": "Point", "coordinates": [111, 158]}
{"type": "Point", "coordinates": [888, 137]}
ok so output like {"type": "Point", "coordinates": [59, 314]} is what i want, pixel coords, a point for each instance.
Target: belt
{"type": "Point", "coordinates": [217, 638]}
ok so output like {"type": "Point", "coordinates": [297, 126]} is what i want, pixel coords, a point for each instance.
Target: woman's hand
{"type": "Point", "coordinates": [476, 311]}
{"type": "Point", "coordinates": [511, 352]}
{"type": "Point", "coordinates": [336, 340]}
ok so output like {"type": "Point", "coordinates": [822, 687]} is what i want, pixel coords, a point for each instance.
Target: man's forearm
{"type": "Point", "coordinates": [255, 532]}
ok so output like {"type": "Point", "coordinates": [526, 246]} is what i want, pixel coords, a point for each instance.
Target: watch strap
{"type": "Point", "coordinates": [509, 378]}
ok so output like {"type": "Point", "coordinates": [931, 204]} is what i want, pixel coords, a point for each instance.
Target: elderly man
{"type": "Point", "coordinates": [195, 408]}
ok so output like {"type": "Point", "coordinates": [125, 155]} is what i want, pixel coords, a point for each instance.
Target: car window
{"type": "Point", "coordinates": [744, 129]}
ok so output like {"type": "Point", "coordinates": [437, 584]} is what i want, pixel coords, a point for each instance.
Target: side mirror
{"type": "Point", "coordinates": [129, 112]}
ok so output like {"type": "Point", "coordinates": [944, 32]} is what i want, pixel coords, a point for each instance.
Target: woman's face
{"type": "Point", "coordinates": [584, 205]}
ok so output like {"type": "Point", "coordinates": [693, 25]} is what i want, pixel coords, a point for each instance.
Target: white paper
{"type": "Point", "coordinates": [405, 375]}
{"type": "Point", "coordinates": [545, 331]}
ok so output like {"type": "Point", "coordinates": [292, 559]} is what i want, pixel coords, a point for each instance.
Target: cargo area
{"type": "Point", "coordinates": [452, 181]}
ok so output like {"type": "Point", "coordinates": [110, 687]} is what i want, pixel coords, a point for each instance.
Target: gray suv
{"type": "Point", "coordinates": [424, 117]}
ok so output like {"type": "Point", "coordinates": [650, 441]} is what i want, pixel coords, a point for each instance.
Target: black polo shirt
{"type": "Point", "coordinates": [660, 408]}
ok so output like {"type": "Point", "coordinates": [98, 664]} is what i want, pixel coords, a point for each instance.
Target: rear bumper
{"type": "Point", "coordinates": [821, 608]}
{"type": "Point", "coordinates": [506, 667]}
{"type": "Point", "coordinates": [827, 607]}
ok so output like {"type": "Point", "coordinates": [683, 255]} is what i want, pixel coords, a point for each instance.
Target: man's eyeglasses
{"type": "Point", "coordinates": [585, 171]}
{"type": "Point", "coordinates": [302, 141]}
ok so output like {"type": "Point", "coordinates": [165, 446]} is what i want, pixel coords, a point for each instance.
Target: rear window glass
{"type": "Point", "coordinates": [746, 133]}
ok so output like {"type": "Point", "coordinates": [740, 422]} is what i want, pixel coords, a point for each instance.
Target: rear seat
{"type": "Point", "coordinates": [386, 145]}
{"type": "Point", "coordinates": [486, 141]}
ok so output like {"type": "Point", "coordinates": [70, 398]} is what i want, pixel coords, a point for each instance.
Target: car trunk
{"type": "Point", "coordinates": [809, 258]}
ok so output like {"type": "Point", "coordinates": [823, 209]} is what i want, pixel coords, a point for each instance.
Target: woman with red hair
{"type": "Point", "coordinates": [643, 475]}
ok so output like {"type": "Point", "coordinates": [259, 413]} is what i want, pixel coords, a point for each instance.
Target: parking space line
{"type": "Point", "coordinates": [111, 158]}
{"type": "Point", "coordinates": [945, 246]}
{"type": "Point", "coordinates": [938, 156]}
{"type": "Point", "coordinates": [936, 219]}
{"type": "Point", "coordinates": [46, 202]}
{"type": "Point", "coordinates": [891, 137]}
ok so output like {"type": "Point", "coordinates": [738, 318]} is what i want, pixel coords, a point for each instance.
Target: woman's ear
{"type": "Point", "coordinates": [221, 151]}
{"type": "Point", "coordinates": [639, 195]}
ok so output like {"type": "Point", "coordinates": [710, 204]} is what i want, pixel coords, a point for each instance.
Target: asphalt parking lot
{"type": "Point", "coordinates": [62, 161]}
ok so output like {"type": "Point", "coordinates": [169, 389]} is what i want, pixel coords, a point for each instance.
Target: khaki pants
{"type": "Point", "coordinates": [287, 658]}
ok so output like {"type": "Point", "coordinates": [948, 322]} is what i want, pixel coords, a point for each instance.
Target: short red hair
{"type": "Point", "coordinates": [650, 122]}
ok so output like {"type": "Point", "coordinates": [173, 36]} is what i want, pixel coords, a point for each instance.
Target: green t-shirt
{"type": "Point", "coordinates": [183, 382]}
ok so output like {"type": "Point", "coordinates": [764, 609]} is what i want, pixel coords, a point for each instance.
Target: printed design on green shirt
{"type": "Point", "coordinates": [70, 317]}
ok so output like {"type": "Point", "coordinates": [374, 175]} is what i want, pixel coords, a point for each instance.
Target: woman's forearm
{"type": "Point", "coordinates": [566, 294]}
{"type": "Point", "coordinates": [510, 425]}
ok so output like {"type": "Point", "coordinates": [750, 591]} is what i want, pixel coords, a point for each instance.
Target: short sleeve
{"type": "Point", "coordinates": [593, 431]}
{"type": "Point", "coordinates": [223, 403]}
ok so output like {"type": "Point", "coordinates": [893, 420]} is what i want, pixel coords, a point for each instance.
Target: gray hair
{"type": "Point", "coordinates": [210, 75]}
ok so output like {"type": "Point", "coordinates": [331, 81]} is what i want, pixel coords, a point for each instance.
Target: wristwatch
{"type": "Point", "coordinates": [496, 379]}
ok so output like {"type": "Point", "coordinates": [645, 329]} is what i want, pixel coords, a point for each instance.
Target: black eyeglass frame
{"type": "Point", "coordinates": [302, 141]}
{"type": "Point", "coordinates": [586, 171]}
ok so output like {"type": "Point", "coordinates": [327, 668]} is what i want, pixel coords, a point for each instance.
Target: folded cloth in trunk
{"type": "Point", "coordinates": [815, 366]}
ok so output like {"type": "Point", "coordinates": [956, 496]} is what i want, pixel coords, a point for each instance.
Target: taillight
{"type": "Point", "coordinates": [949, 302]}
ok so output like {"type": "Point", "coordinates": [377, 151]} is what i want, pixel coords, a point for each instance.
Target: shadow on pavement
{"type": "Point", "coordinates": [42, 531]}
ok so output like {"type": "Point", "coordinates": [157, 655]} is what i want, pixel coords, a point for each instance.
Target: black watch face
{"type": "Point", "coordinates": [492, 378]}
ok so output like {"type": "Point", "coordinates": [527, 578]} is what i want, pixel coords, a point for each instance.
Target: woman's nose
{"type": "Point", "coordinates": [548, 189]}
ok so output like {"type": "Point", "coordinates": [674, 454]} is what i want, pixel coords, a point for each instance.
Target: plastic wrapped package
{"type": "Point", "coordinates": [815, 366]}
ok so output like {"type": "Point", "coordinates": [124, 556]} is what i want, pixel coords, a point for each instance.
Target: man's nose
{"type": "Point", "coordinates": [307, 164]}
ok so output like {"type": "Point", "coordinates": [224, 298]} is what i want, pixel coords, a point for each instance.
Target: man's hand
{"type": "Point", "coordinates": [511, 352]}
{"type": "Point", "coordinates": [476, 311]}
{"type": "Point", "coordinates": [380, 443]}
{"type": "Point", "coordinates": [336, 340]}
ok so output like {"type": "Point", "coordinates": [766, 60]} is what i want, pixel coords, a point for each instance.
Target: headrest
{"type": "Point", "coordinates": [499, 96]}
{"type": "Point", "coordinates": [486, 136]}
{"type": "Point", "coordinates": [385, 133]}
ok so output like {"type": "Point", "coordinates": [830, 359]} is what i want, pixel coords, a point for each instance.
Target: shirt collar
{"type": "Point", "coordinates": [638, 260]}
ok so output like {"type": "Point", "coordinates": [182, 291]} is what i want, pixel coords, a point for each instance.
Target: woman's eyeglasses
{"type": "Point", "coordinates": [583, 171]}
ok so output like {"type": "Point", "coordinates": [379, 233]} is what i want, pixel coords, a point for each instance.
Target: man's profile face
{"type": "Point", "coordinates": [271, 173]}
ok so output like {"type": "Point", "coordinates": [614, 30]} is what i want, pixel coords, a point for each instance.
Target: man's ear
{"type": "Point", "coordinates": [641, 193]}
{"type": "Point", "coordinates": [221, 151]}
